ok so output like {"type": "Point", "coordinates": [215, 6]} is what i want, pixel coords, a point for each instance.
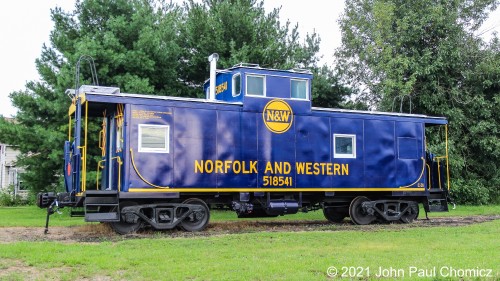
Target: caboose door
{"type": "Point", "coordinates": [410, 160]}
{"type": "Point", "coordinates": [111, 144]}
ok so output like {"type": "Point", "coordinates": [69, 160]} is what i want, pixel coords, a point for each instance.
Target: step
{"type": "Point", "coordinates": [438, 208]}
{"type": "Point", "coordinates": [101, 200]}
{"type": "Point", "coordinates": [438, 205]}
{"type": "Point", "coordinates": [101, 193]}
{"type": "Point", "coordinates": [102, 217]}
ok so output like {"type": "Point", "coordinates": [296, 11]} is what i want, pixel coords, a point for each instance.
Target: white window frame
{"type": "Point", "coordinates": [344, 155]}
{"type": "Point", "coordinates": [234, 87]}
{"type": "Point", "coordinates": [263, 86]}
{"type": "Point", "coordinates": [165, 149]}
{"type": "Point", "coordinates": [307, 89]}
{"type": "Point", "coordinates": [207, 93]}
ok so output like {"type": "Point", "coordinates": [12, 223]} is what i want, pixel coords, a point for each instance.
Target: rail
{"type": "Point", "coordinates": [97, 176]}
{"type": "Point", "coordinates": [119, 161]}
{"type": "Point", "coordinates": [438, 160]}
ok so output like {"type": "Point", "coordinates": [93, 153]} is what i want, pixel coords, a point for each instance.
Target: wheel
{"type": "Point", "coordinates": [335, 214]}
{"type": "Point", "coordinates": [123, 227]}
{"type": "Point", "coordinates": [198, 220]}
{"type": "Point", "coordinates": [410, 215]}
{"type": "Point", "coordinates": [357, 214]}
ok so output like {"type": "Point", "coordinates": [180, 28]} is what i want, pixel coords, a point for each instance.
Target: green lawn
{"type": "Point", "coordinates": [256, 256]}
{"type": "Point", "coordinates": [261, 256]}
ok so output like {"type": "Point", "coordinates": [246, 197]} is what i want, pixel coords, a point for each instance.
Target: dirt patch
{"type": "Point", "coordinates": [17, 270]}
{"type": "Point", "coordinates": [95, 233]}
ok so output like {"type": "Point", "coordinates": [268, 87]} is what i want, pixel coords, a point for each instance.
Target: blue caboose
{"type": "Point", "coordinates": [255, 145]}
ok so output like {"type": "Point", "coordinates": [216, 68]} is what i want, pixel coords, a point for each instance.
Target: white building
{"type": "Point", "coordinates": [9, 171]}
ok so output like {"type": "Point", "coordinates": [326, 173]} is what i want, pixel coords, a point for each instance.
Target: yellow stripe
{"type": "Point", "coordinates": [139, 174]}
{"type": "Point", "coordinates": [84, 170]}
{"type": "Point", "coordinates": [421, 174]}
{"type": "Point", "coordinates": [447, 165]}
{"type": "Point", "coordinates": [270, 189]}
{"type": "Point", "coordinates": [72, 109]}
{"type": "Point", "coordinates": [83, 99]}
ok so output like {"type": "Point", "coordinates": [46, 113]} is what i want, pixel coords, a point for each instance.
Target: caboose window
{"type": "Point", "coordinates": [255, 85]}
{"type": "Point", "coordinates": [236, 84]}
{"type": "Point", "coordinates": [299, 89]}
{"type": "Point", "coordinates": [154, 138]}
{"type": "Point", "coordinates": [344, 146]}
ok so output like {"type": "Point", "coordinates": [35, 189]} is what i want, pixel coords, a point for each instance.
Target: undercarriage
{"type": "Point", "coordinates": [126, 215]}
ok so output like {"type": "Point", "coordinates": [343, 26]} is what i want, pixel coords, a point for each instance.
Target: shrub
{"type": "Point", "coordinates": [470, 192]}
{"type": "Point", "coordinates": [9, 198]}
{"type": "Point", "coordinates": [495, 191]}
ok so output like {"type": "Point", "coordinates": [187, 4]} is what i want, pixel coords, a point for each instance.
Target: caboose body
{"type": "Point", "coordinates": [255, 145]}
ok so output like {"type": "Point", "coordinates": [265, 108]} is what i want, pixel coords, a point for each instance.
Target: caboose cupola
{"type": "Point", "coordinates": [244, 82]}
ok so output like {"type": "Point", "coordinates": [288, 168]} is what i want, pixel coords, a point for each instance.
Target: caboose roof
{"type": "Point", "coordinates": [103, 97]}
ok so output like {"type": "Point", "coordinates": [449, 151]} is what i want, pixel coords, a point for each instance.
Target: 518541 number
{"type": "Point", "coordinates": [277, 181]}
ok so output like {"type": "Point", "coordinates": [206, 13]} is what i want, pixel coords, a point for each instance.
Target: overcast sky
{"type": "Point", "coordinates": [25, 26]}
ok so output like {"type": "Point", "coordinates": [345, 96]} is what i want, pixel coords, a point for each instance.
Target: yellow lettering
{"type": "Point", "coordinates": [285, 115]}
{"type": "Point", "coordinates": [287, 168]}
{"type": "Point", "coordinates": [278, 168]}
{"type": "Point", "coordinates": [218, 166]}
{"type": "Point", "coordinates": [277, 116]}
{"type": "Point", "coordinates": [227, 165]}
{"type": "Point", "coordinates": [345, 169]}
{"type": "Point", "coordinates": [270, 115]}
{"type": "Point", "coordinates": [336, 169]}
{"type": "Point", "coordinates": [253, 166]}
{"type": "Point", "coordinates": [236, 167]}
{"type": "Point", "coordinates": [299, 166]}
{"type": "Point", "coordinates": [322, 168]}
{"type": "Point", "coordinates": [269, 168]}
{"type": "Point", "coordinates": [209, 166]}
{"type": "Point", "coordinates": [245, 171]}
{"type": "Point", "coordinates": [198, 166]}
{"type": "Point", "coordinates": [308, 168]}
{"type": "Point", "coordinates": [316, 169]}
{"type": "Point", "coordinates": [220, 88]}
{"type": "Point", "coordinates": [329, 169]}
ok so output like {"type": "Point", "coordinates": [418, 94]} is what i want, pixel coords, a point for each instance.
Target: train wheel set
{"type": "Point", "coordinates": [193, 214]}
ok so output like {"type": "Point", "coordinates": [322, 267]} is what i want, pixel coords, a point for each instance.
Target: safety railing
{"type": "Point", "coordinates": [99, 167]}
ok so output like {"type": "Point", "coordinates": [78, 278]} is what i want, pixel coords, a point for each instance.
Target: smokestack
{"type": "Point", "coordinates": [213, 68]}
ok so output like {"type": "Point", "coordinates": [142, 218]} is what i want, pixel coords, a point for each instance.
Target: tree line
{"type": "Point", "coordinates": [392, 52]}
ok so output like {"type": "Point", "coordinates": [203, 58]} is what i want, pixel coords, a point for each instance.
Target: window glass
{"type": "Point", "coordinates": [21, 186]}
{"type": "Point", "coordinates": [299, 89]}
{"type": "Point", "coordinates": [344, 146]}
{"type": "Point", "coordinates": [255, 85]}
{"type": "Point", "coordinates": [119, 138]}
{"type": "Point", "coordinates": [236, 85]}
{"type": "Point", "coordinates": [153, 138]}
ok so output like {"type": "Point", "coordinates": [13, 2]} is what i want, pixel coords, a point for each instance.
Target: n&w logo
{"type": "Point", "coordinates": [278, 116]}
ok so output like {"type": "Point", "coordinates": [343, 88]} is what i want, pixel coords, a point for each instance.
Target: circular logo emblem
{"type": "Point", "coordinates": [278, 116]}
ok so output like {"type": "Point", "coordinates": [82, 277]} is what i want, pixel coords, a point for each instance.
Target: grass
{"type": "Point", "coordinates": [32, 216]}
{"type": "Point", "coordinates": [262, 256]}
{"type": "Point", "coordinates": [252, 256]}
